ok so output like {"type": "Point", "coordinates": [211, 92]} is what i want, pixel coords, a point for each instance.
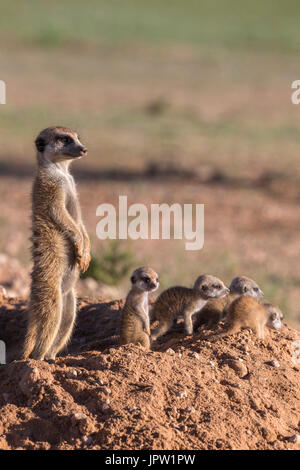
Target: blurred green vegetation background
{"type": "Point", "coordinates": [198, 85]}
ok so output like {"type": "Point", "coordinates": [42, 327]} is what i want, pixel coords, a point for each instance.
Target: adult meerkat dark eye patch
{"type": "Point", "coordinates": [66, 139]}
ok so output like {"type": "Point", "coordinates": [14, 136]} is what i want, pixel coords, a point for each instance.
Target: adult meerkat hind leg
{"type": "Point", "coordinates": [42, 327]}
{"type": "Point", "coordinates": [66, 325]}
{"type": "Point", "coordinates": [144, 340]}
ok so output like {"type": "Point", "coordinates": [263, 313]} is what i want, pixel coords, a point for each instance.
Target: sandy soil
{"type": "Point", "coordinates": [187, 393]}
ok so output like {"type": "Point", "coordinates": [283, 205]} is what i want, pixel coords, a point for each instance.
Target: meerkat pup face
{"type": "Point", "coordinates": [211, 287]}
{"type": "Point", "coordinates": [244, 285]}
{"type": "Point", "coordinates": [145, 279]}
{"type": "Point", "coordinates": [275, 316]}
{"type": "Point", "coordinates": [57, 144]}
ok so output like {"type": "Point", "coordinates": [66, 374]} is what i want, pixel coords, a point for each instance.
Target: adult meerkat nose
{"type": "Point", "coordinates": [84, 150]}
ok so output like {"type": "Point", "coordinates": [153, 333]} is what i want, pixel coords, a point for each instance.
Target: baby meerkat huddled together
{"type": "Point", "coordinates": [209, 299]}
{"type": "Point", "coordinates": [215, 309]}
{"type": "Point", "coordinates": [246, 312]}
{"type": "Point", "coordinates": [242, 308]}
{"type": "Point", "coordinates": [184, 301]}
{"type": "Point", "coordinates": [175, 301]}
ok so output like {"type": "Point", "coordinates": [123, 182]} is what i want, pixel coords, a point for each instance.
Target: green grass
{"type": "Point", "coordinates": [204, 83]}
{"type": "Point", "coordinates": [226, 24]}
{"type": "Point", "coordinates": [112, 265]}
{"type": "Point", "coordinates": [173, 124]}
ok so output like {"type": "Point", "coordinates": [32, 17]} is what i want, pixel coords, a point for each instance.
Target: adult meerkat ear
{"type": "Point", "coordinates": [40, 144]}
{"type": "Point", "coordinates": [204, 287]}
{"type": "Point", "coordinates": [245, 289]}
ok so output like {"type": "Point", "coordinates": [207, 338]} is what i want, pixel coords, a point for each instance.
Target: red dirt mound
{"type": "Point", "coordinates": [188, 393]}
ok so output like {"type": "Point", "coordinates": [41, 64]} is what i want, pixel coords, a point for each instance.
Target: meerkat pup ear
{"type": "Point", "coordinates": [204, 287]}
{"type": "Point", "coordinates": [40, 144]}
{"type": "Point", "coordinates": [133, 279]}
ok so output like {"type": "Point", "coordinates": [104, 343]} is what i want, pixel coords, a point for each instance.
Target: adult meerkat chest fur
{"type": "Point", "coordinates": [71, 198]}
{"type": "Point", "coordinates": [62, 177]}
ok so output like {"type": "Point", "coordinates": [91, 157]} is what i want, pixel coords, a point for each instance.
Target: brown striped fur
{"type": "Point", "coordinates": [247, 312]}
{"type": "Point", "coordinates": [135, 326]}
{"type": "Point", "coordinates": [215, 309]}
{"type": "Point", "coordinates": [179, 300]}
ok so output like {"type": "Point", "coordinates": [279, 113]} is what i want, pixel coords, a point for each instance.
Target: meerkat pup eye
{"type": "Point", "coordinates": [146, 279]}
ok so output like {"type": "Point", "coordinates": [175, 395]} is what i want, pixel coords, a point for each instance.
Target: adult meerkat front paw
{"type": "Point", "coordinates": [147, 330]}
{"type": "Point", "coordinates": [83, 264]}
{"type": "Point", "coordinates": [86, 260]}
{"type": "Point", "coordinates": [79, 254]}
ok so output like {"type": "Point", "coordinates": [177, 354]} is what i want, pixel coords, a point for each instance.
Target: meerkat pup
{"type": "Point", "coordinates": [215, 309]}
{"type": "Point", "coordinates": [178, 300]}
{"type": "Point", "coordinates": [135, 324]}
{"type": "Point", "coordinates": [247, 312]}
{"type": "Point", "coordinates": [60, 244]}
{"type": "Point", "coordinates": [275, 316]}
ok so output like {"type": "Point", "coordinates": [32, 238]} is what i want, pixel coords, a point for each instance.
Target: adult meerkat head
{"type": "Point", "coordinates": [210, 286]}
{"type": "Point", "coordinates": [57, 144]}
{"type": "Point", "coordinates": [275, 316]}
{"type": "Point", "coordinates": [244, 285]}
{"type": "Point", "coordinates": [145, 279]}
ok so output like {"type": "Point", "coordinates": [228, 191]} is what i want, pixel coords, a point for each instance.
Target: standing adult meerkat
{"type": "Point", "coordinates": [135, 325]}
{"type": "Point", "coordinates": [215, 309]}
{"type": "Point", "coordinates": [179, 300]}
{"type": "Point", "coordinates": [60, 244]}
{"type": "Point", "coordinates": [247, 312]}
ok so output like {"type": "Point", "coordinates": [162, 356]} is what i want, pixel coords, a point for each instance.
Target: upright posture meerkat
{"type": "Point", "coordinates": [215, 309]}
{"type": "Point", "coordinates": [247, 312]}
{"type": "Point", "coordinates": [135, 325]}
{"type": "Point", "coordinates": [60, 244]}
{"type": "Point", "coordinates": [178, 300]}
